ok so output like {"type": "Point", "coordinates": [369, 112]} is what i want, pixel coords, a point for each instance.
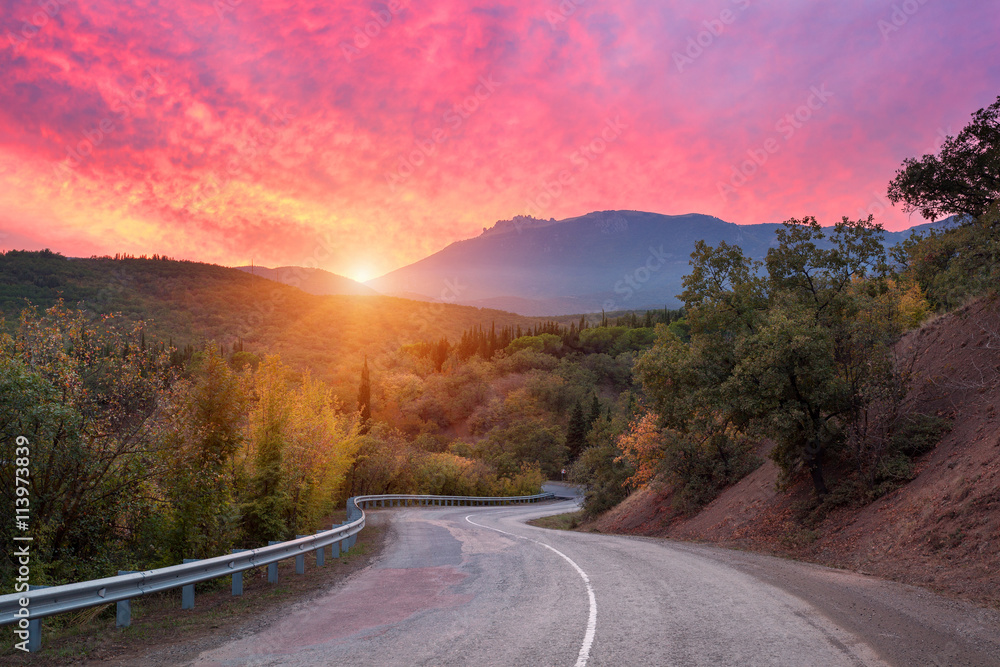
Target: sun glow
{"type": "Point", "coordinates": [361, 273]}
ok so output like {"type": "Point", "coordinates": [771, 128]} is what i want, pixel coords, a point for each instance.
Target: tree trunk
{"type": "Point", "coordinates": [813, 458]}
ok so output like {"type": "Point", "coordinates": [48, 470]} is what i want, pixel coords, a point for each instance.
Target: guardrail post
{"type": "Point", "coordinates": [123, 610]}
{"type": "Point", "coordinates": [321, 553]}
{"type": "Point", "coordinates": [187, 592]}
{"type": "Point", "coordinates": [337, 547]}
{"type": "Point", "coordinates": [34, 627]}
{"type": "Point", "coordinates": [300, 559]}
{"type": "Point", "coordinates": [272, 568]}
{"type": "Point", "coordinates": [238, 577]}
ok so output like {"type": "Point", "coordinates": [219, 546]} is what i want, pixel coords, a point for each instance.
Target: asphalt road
{"type": "Point", "coordinates": [476, 586]}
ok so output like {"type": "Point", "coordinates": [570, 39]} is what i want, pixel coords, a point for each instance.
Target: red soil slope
{"type": "Point", "coordinates": [941, 530]}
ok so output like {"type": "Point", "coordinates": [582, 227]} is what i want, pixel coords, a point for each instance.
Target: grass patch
{"type": "Point", "coordinates": [568, 521]}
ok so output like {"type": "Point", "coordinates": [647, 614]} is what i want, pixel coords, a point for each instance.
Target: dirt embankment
{"type": "Point", "coordinates": [941, 530]}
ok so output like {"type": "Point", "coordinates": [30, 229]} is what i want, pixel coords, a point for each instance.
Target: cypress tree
{"type": "Point", "coordinates": [364, 399]}
{"type": "Point", "coordinates": [595, 412]}
{"type": "Point", "coordinates": [576, 432]}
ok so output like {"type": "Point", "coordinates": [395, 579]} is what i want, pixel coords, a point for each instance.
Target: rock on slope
{"type": "Point", "coordinates": [941, 530]}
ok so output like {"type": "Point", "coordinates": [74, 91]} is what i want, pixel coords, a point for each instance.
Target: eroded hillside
{"type": "Point", "coordinates": [940, 530]}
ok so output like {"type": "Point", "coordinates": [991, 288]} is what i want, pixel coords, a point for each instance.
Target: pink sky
{"type": "Point", "coordinates": [280, 132]}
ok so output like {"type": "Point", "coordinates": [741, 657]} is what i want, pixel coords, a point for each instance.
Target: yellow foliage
{"type": "Point", "coordinates": [642, 446]}
{"type": "Point", "coordinates": [913, 307]}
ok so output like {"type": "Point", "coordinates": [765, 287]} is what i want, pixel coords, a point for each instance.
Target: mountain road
{"type": "Point", "coordinates": [477, 586]}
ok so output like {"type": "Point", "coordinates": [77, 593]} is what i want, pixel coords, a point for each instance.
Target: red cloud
{"type": "Point", "coordinates": [230, 131]}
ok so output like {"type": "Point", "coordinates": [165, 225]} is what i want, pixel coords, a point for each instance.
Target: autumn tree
{"type": "Point", "coordinates": [91, 402]}
{"type": "Point", "coordinates": [322, 440]}
{"type": "Point", "coordinates": [701, 447]}
{"type": "Point", "coordinates": [953, 265]}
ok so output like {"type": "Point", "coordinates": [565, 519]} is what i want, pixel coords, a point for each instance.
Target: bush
{"type": "Point", "coordinates": [919, 434]}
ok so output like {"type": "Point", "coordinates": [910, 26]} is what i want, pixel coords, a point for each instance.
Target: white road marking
{"type": "Point", "coordinates": [588, 638]}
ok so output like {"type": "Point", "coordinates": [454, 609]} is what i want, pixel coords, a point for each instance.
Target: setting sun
{"type": "Point", "coordinates": [361, 273]}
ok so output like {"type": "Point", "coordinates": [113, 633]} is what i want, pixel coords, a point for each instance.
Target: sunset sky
{"type": "Point", "coordinates": [361, 136]}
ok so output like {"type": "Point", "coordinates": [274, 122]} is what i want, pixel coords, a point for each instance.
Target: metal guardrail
{"type": "Point", "coordinates": [355, 504]}
{"type": "Point", "coordinates": [49, 601]}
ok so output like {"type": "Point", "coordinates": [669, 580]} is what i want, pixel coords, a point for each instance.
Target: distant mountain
{"type": "Point", "coordinates": [609, 260]}
{"type": "Point", "coordinates": [194, 303]}
{"type": "Point", "coordinates": [313, 281]}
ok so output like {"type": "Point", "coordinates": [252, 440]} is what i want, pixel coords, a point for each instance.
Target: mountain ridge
{"type": "Point", "coordinates": [602, 260]}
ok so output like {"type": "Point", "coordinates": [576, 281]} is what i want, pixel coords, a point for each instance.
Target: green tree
{"type": "Point", "coordinates": [602, 469]}
{"type": "Point", "coordinates": [576, 432]}
{"type": "Point", "coordinates": [778, 355]}
{"type": "Point", "coordinates": [963, 179]}
{"type": "Point", "coordinates": [266, 506]}
{"type": "Point", "coordinates": [207, 433]}
{"type": "Point", "coordinates": [701, 447]}
{"type": "Point", "coordinates": [951, 266]}
{"type": "Point", "coordinates": [595, 412]}
{"type": "Point", "coordinates": [801, 373]}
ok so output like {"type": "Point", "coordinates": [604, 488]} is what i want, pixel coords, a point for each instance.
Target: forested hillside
{"type": "Point", "coordinates": [190, 303]}
{"type": "Point", "coordinates": [868, 379]}
{"type": "Point", "coordinates": [176, 409]}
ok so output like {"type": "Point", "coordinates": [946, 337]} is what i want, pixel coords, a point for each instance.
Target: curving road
{"type": "Point", "coordinates": [476, 586]}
